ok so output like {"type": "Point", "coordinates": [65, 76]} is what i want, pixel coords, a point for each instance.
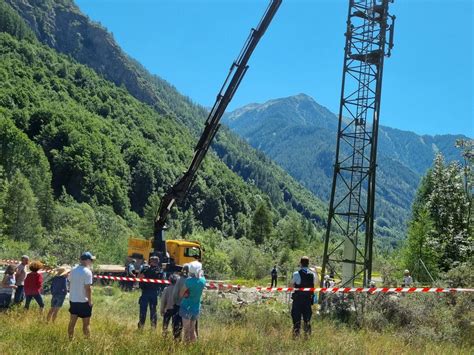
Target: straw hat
{"type": "Point", "coordinates": [62, 270]}
{"type": "Point", "coordinates": [36, 265]}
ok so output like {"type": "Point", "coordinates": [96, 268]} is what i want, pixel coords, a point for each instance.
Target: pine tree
{"type": "Point", "coordinates": [262, 227]}
{"type": "Point", "coordinates": [417, 249]}
{"type": "Point", "coordinates": [21, 217]}
{"type": "Point", "coordinates": [448, 205]}
{"type": "Point", "coordinates": [439, 231]}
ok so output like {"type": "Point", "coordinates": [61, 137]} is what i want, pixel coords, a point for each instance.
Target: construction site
{"type": "Point", "coordinates": [275, 227]}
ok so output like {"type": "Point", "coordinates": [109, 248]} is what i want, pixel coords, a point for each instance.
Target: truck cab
{"type": "Point", "coordinates": [180, 252]}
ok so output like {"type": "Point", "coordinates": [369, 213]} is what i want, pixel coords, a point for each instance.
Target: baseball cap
{"type": "Point", "coordinates": [87, 256]}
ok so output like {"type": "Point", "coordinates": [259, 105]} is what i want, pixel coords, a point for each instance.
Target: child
{"type": "Point", "coordinates": [58, 292]}
{"type": "Point", "coordinates": [33, 285]}
{"type": "Point", "coordinates": [167, 309]}
{"type": "Point", "coordinates": [7, 287]}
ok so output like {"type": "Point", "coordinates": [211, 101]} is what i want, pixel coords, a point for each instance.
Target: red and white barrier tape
{"type": "Point", "coordinates": [131, 279]}
{"type": "Point", "coordinates": [218, 285]}
{"type": "Point", "coordinates": [367, 289]}
{"type": "Point", "coordinates": [9, 261]}
{"type": "Point", "coordinates": [212, 285]}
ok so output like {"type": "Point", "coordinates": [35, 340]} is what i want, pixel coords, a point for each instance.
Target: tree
{"type": "Point", "coordinates": [3, 190]}
{"type": "Point", "coordinates": [21, 217]}
{"type": "Point", "coordinates": [417, 249]}
{"type": "Point", "coordinates": [290, 231]}
{"type": "Point", "coordinates": [262, 227]}
{"type": "Point", "coordinates": [448, 205]}
{"type": "Point", "coordinates": [439, 231]}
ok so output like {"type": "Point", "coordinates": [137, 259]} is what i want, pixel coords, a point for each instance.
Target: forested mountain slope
{"type": "Point", "coordinates": [62, 26]}
{"type": "Point", "coordinates": [300, 135]}
{"type": "Point", "coordinates": [82, 160]}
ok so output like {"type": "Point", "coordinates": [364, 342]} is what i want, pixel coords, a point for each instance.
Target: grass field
{"type": "Point", "coordinates": [224, 329]}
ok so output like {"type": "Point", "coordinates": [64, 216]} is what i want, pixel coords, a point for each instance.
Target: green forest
{"type": "Point", "coordinates": [84, 163]}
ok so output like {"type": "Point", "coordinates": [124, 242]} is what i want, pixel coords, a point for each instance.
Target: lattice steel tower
{"type": "Point", "coordinates": [369, 38]}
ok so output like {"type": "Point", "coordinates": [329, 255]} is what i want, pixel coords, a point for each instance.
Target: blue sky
{"type": "Point", "coordinates": [428, 81]}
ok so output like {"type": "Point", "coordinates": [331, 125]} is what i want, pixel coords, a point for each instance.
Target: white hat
{"type": "Point", "coordinates": [195, 268]}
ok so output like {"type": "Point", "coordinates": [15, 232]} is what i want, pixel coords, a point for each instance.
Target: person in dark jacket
{"type": "Point", "coordinates": [149, 297]}
{"type": "Point", "coordinates": [274, 274]}
{"type": "Point", "coordinates": [58, 292]}
{"type": "Point", "coordinates": [302, 300]}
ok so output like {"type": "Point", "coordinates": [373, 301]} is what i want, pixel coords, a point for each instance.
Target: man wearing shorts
{"type": "Point", "coordinates": [59, 289]}
{"type": "Point", "coordinates": [80, 295]}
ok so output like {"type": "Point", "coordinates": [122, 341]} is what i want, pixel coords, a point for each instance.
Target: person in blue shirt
{"type": "Point", "coordinates": [191, 303]}
{"type": "Point", "coordinates": [58, 292]}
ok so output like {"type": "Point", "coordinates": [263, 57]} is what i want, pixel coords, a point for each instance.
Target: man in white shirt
{"type": "Point", "coordinates": [20, 276]}
{"type": "Point", "coordinates": [80, 294]}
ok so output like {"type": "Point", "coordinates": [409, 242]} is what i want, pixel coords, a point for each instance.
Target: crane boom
{"type": "Point", "coordinates": [178, 191]}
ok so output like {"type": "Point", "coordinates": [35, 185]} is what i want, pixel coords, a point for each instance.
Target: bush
{"type": "Point", "coordinates": [438, 317]}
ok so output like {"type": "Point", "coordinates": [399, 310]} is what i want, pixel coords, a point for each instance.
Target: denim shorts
{"type": "Point", "coordinates": [57, 301]}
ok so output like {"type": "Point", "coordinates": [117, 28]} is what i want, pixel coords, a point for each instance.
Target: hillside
{"type": "Point", "coordinates": [61, 25]}
{"type": "Point", "coordinates": [300, 135]}
{"type": "Point", "coordinates": [91, 161]}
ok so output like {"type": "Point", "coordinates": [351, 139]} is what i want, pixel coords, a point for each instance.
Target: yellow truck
{"type": "Point", "coordinates": [179, 251]}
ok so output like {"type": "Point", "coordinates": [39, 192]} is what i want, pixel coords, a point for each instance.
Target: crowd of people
{"type": "Point", "coordinates": [180, 301]}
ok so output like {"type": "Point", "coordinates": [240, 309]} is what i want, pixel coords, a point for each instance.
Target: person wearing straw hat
{"type": "Point", "coordinates": [58, 291]}
{"type": "Point", "coordinates": [34, 285]}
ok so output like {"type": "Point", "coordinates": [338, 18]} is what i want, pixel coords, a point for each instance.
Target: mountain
{"type": "Point", "coordinates": [109, 133]}
{"type": "Point", "coordinates": [300, 135]}
{"type": "Point", "coordinates": [61, 25]}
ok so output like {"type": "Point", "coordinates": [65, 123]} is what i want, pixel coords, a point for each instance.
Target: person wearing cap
{"type": "Point", "coordinates": [407, 279]}
{"type": "Point", "coordinates": [80, 294]}
{"type": "Point", "coordinates": [58, 292]}
{"type": "Point", "coordinates": [177, 321]}
{"type": "Point", "coordinates": [149, 296]}
{"type": "Point", "coordinates": [190, 307]}
{"type": "Point", "coordinates": [167, 304]}
{"type": "Point", "coordinates": [20, 277]}
{"type": "Point", "coordinates": [302, 300]}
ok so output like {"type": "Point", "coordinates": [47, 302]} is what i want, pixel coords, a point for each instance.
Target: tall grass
{"type": "Point", "coordinates": [224, 329]}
